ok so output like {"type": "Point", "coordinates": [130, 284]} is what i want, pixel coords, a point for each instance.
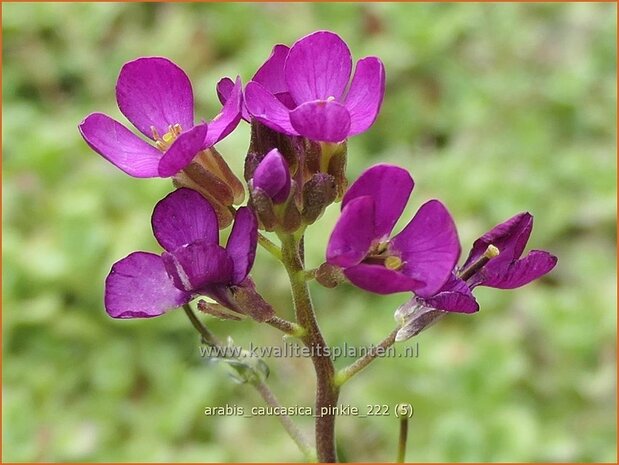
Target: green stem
{"type": "Point", "coordinates": [259, 385]}
{"type": "Point", "coordinates": [292, 430]}
{"type": "Point", "coordinates": [351, 370]}
{"type": "Point", "coordinates": [327, 392]}
{"type": "Point", "coordinates": [288, 327]}
{"type": "Point", "coordinates": [207, 337]}
{"type": "Point", "coordinates": [308, 275]}
{"type": "Point", "coordinates": [270, 246]}
{"type": "Point", "coordinates": [402, 440]}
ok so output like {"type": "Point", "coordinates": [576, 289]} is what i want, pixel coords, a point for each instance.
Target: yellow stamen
{"type": "Point", "coordinates": [492, 251]}
{"type": "Point", "coordinates": [176, 129]}
{"type": "Point", "coordinates": [163, 143]}
{"type": "Point", "coordinates": [393, 263]}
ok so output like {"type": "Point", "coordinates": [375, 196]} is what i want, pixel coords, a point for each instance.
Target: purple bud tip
{"type": "Point", "coordinates": [273, 177]}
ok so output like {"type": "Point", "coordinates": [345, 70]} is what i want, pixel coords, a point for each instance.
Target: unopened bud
{"type": "Point", "coordinates": [263, 140]}
{"type": "Point", "coordinates": [329, 275]}
{"type": "Point", "coordinates": [263, 206]}
{"type": "Point", "coordinates": [318, 193]}
{"type": "Point", "coordinates": [337, 169]}
{"type": "Point", "coordinates": [252, 160]}
{"type": "Point", "coordinates": [291, 216]}
{"type": "Point", "coordinates": [273, 177]}
{"type": "Point", "coordinates": [312, 153]}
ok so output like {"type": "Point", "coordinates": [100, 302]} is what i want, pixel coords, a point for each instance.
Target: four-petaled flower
{"type": "Point", "coordinates": [156, 96]}
{"type": "Point", "coordinates": [420, 258]}
{"type": "Point", "coordinates": [145, 284]}
{"type": "Point", "coordinates": [304, 90]}
{"type": "Point", "coordinates": [494, 261]}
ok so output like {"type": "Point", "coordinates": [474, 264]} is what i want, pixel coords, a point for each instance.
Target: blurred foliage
{"type": "Point", "coordinates": [495, 108]}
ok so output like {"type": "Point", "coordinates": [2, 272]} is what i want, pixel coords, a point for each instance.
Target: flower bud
{"type": "Point", "coordinates": [329, 275]}
{"type": "Point", "coordinates": [291, 216]}
{"type": "Point", "coordinates": [263, 140]}
{"type": "Point", "coordinates": [273, 177]}
{"type": "Point", "coordinates": [337, 168]}
{"type": "Point", "coordinates": [312, 153]}
{"type": "Point", "coordinates": [318, 193]}
{"type": "Point", "coordinates": [262, 204]}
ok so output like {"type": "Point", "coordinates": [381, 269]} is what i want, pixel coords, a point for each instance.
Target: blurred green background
{"type": "Point", "coordinates": [495, 109]}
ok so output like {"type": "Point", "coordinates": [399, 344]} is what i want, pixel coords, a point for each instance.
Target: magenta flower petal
{"type": "Point", "coordinates": [390, 186]}
{"type": "Point", "coordinates": [353, 234]}
{"type": "Point", "coordinates": [429, 247]}
{"type": "Point", "coordinates": [366, 94]}
{"type": "Point", "coordinates": [154, 92]}
{"type": "Point", "coordinates": [224, 89]}
{"type": "Point", "coordinates": [321, 120]}
{"type": "Point", "coordinates": [454, 296]}
{"type": "Point", "coordinates": [182, 151]}
{"type": "Point", "coordinates": [198, 265]}
{"type": "Point", "coordinates": [139, 287]}
{"type": "Point", "coordinates": [267, 109]}
{"type": "Point", "coordinates": [318, 67]}
{"type": "Point", "coordinates": [228, 118]}
{"type": "Point", "coordinates": [119, 146]}
{"type": "Point", "coordinates": [510, 274]}
{"type": "Point", "coordinates": [380, 280]}
{"type": "Point", "coordinates": [271, 73]}
{"type": "Point", "coordinates": [242, 243]}
{"type": "Point", "coordinates": [273, 177]}
{"type": "Point", "coordinates": [511, 237]}
{"type": "Point", "coordinates": [183, 217]}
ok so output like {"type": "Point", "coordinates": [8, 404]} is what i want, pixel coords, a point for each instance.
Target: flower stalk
{"type": "Point", "coordinates": [351, 370]}
{"type": "Point", "coordinates": [291, 428]}
{"type": "Point", "coordinates": [269, 246]}
{"type": "Point", "coordinates": [402, 439]}
{"type": "Point", "coordinates": [258, 383]}
{"type": "Point", "coordinates": [327, 392]}
{"type": "Point", "coordinates": [288, 327]}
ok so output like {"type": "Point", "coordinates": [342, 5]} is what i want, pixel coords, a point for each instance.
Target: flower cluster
{"type": "Point", "coordinates": [303, 104]}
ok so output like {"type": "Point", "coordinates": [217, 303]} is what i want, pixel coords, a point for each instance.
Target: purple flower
{"type": "Point", "coordinates": [156, 96]}
{"type": "Point", "coordinates": [420, 258]}
{"type": "Point", "coordinates": [494, 261]}
{"type": "Point", "coordinates": [144, 284]}
{"type": "Point", "coordinates": [270, 75]}
{"type": "Point", "coordinates": [272, 176]}
{"type": "Point", "coordinates": [307, 90]}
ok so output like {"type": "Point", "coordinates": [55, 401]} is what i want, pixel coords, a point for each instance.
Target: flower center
{"type": "Point", "coordinates": [163, 142]}
{"type": "Point", "coordinates": [393, 263]}
{"type": "Point", "coordinates": [380, 255]}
